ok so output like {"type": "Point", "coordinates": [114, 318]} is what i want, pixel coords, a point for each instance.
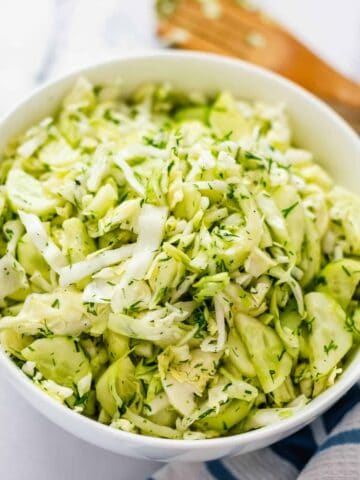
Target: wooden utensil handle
{"type": "Point", "coordinates": [281, 52]}
{"type": "Point", "coordinates": [349, 113]}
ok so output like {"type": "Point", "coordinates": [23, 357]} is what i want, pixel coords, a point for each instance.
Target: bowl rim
{"type": "Point", "coordinates": [300, 418]}
{"type": "Point", "coordinates": [139, 55]}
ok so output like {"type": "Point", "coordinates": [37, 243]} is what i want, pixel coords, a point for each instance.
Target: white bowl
{"type": "Point", "coordinates": [315, 127]}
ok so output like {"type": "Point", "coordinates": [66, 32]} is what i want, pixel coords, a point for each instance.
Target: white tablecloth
{"type": "Point", "coordinates": [42, 38]}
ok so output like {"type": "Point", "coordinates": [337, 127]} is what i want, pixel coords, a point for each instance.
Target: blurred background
{"type": "Point", "coordinates": [40, 39]}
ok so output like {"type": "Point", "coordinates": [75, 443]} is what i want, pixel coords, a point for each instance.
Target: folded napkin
{"type": "Point", "coordinates": [328, 449]}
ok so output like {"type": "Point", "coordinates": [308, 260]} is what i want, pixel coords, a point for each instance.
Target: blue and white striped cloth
{"type": "Point", "coordinates": [328, 449]}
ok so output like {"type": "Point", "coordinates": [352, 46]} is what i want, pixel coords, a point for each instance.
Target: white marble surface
{"type": "Point", "coordinates": [43, 38]}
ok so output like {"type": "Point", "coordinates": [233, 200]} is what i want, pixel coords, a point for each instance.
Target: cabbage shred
{"type": "Point", "coordinates": [172, 265]}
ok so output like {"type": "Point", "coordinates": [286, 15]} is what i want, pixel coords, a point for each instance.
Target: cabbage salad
{"type": "Point", "coordinates": [172, 265]}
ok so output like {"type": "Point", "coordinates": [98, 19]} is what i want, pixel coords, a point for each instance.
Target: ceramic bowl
{"type": "Point", "coordinates": [316, 127]}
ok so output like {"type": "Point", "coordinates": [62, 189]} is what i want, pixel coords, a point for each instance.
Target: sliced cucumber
{"type": "Point", "coordinates": [30, 258]}
{"type": "Point", "coordinates": [59, 359]}
{"type": "Point", "coordinates": [117, 344]}
{"type": "Point", "coordinates": [267, 353]}
{"type": "Point", "coordinates": [328, 339]}
{"type": "Point", "coordinates": [228, 416]}
{"type": "Point", "coordinates": [238, 355]}
{"type": "Point", "coordinates": [26, 193]}
{"type": "Point", "coordinates": [289, 202]}
{"type": "Point", "coordinates": [226, 120]}
{"type": "Point", "coordinates": [116, 385]}
{"type": "Point", "coordinates": [311, 253]}
{"type": "Point", "coordinates": [340, 279]}
{"type": "Point", "coordinates": [14, 342]}
{"type": "Point", "coordinates": [200, 113]}
{"type": "Point", "coordinates": [77, 242]}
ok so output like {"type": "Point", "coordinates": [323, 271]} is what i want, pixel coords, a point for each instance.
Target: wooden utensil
{"type": "Point", "coordinates": [240, 32]}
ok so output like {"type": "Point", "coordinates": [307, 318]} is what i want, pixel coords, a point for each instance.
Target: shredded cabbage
{"type": "Point", "coordinates": [172, 265]}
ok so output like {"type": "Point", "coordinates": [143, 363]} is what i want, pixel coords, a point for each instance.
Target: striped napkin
{"type": "Point", "coordinates": [328, 449]}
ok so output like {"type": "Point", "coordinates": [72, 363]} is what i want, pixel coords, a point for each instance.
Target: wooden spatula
{"type": "Point", "coordinates": [239, 32]}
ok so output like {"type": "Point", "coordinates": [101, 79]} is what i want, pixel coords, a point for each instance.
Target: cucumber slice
{"type": "Point", "coordinates": [117, 344]}
{"type": "Point", "coordinates": [21, 294]}
{"type": "Point", "coordinates": [12, 277]}
{"type": "Point", "coordinates": [226, 120]}
{"type": "Point", "coordinates": [340, 279]}
{"type": "Point", "coordinates": [102, 202]}
{"type": "Point", "coordinates": [328, 340]}
{"type": "Point", "coordinates": [77, 243]}
{"type": "Point", "coordinates": [26, 193]}
{"type": "Point", "coordinates": [228, 416]}
{"type": "Point", "coordinates": [200, 113]}
{"type": "Point", "coordinates": [311, 253]}
{"type": "Point", "coordinates": [266, 350]}
{"type": "Point", "coordinates": [58, 154]}
{"type": "Point", "coordinates": [30, 258]}
{"type": "Point", "coordinates": [289, 202]}
{"type": "Point", "coordinates": [59, 359]}
{"type": "Point", "coordinates": [116, 385]}
{"type": "Point", "coordinates": [166, 417]}
{"type": "Point", "coordinates": [238, 355]}
{"type": "Point", "coordinates": [14, 342]}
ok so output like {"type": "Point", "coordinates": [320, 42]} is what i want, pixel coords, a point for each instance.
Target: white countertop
{"type": "Point", "coordinates": [40, 39]}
